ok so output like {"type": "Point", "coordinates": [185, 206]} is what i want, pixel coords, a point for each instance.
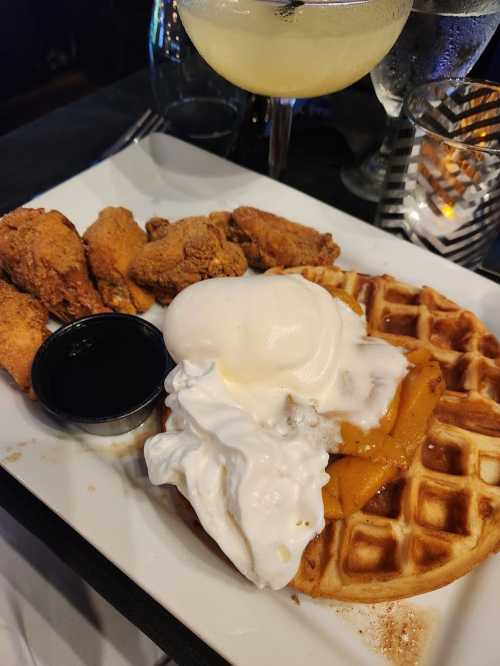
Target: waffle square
{"type": "Point", "coordinates": [441, 517]}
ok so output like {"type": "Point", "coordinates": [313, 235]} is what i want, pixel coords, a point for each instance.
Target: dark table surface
{"type": "Point", "coordinates": [59, 145]}
{"type": "Point", "coordinates": [50, 150]}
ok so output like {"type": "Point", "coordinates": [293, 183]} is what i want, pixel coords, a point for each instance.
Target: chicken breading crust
{"type": "Point", "coordinates": [23, 328]}
{"type": "Point", "coordinates": [43, 254]}
{"type": "Point", "coordinates": [190, 250]}
{"type": "Point", "coordinates": [111, 244]}
{"type": "Point", "coordinates": [269, 240]}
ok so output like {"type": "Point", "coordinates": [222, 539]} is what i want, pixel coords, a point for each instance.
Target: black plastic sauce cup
{"type": "Point", "coordinates": [103, 373]}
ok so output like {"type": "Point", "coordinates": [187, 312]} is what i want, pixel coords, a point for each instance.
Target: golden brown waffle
{"type": "Point", "coordinates": [442, 516]}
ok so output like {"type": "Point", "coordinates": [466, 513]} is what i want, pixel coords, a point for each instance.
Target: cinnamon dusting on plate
{"type": "Point", "coordinates": [399, 631]}
{"type": "Point", "coordinates": [11, 458]}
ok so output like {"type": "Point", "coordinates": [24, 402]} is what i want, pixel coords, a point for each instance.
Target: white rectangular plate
{"type": "Point", "coordinates": [99, 485]}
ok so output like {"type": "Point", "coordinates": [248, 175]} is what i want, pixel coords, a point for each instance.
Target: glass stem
{"type": "Point", "coordinates": [281, 125]}
{"type": "Point", "coordinates": [374, 167]}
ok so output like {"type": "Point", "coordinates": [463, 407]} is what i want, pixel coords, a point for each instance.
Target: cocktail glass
{"type": "Point", "coordinates": [289, 49]}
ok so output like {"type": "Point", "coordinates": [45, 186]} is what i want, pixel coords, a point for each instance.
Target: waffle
{"type": "Point", "coordinates": [441, 517]}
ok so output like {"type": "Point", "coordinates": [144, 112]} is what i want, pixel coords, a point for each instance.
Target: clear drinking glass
{"type": "Point", "coordinates": [197, 104]}
{"type": "Point", "coordinates": [288, 49]}
{"type": "Point", "coordinates": [442, 38]}
{"type": "Point", "coordinates": [442, 189]}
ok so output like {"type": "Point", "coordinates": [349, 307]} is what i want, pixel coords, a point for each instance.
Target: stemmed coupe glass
{"type": "Point", "coordinates": [287, 49]}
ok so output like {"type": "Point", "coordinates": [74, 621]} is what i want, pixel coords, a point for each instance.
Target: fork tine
{"type": "Point", "coordinates": [163, 126]}
{"type": "Point", "coordinates": [136, 127]}
{"type": "Point", "coordinates": [129, 134]}
{"type": "Point", "coordinates": [159, 125]}
{"type": "Point", "coordinates": [158, 122]}
{"type": "Point", "coordinates": [147, 128]}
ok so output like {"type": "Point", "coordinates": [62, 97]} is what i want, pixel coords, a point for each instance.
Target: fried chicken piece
{"type": "Point", "coordinates": [111, 243]}
{"type": "Point", "coordinates": [269, 240]}
{"type": "Point", "coordinates": [23, 328]}
{"type": "Point", "coordinates": [221, 219]}
{"type": "Point", "coordinates": [157, 228]}
{"type": "Point", "coordinates": [190, 250]}
{"type": "Point", "coordinates": [43, 254]}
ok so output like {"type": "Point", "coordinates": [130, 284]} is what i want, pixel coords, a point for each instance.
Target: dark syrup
{"type": "Point", "coordinates": [105, 373]}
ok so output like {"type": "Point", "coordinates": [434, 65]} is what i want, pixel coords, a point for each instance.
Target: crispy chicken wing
{"type": "Point", "coordinates": [269, 240]}
{"type": "Point", "coordinates": [157, 228]}
{"type": "Point", "coordinates": [221, 219]}
{"type": "Point", "coordinates": [43, 254]}
{"type": "Point", "coordinates": [23, 328]}
{"type": "Point", "coordinates": [190, 250]}
{"type": "Point", "coordinates": [111, 243]}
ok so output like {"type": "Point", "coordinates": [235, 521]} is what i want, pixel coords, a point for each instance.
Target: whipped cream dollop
{"type": "Point", "coordinates": [267, 369]}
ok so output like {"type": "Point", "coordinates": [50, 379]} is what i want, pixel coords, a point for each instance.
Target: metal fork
{"type": "Point", "coordinates": [148, 122]}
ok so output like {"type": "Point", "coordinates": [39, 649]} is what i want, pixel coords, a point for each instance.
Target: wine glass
{"type": "Point", "coordinates": [288, 49]}
{"type": "Point", "coordinates": [197, 104]}
{"type": "Point", "coordinates": [441, 39]}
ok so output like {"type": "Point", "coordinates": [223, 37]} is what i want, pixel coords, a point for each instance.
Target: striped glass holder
{"type": "Point", "coordinates": [442, 188]}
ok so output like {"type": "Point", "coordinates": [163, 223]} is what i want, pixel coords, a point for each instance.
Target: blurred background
{"type": "Point", "coordinates": [52, 53]}
{"type": "Point", "coordinates": [56, 52]}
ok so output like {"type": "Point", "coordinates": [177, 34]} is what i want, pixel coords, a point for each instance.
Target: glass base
{"type": "Point", "coordinates": [366, 180]}
{"type": "Point", "coordinates": [210, 123]}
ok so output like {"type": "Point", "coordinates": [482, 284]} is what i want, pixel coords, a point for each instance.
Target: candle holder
{"type": "Point", "coordinates": [442, 187]}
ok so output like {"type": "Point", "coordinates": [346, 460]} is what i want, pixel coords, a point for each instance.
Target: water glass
{"type": "Point", "coordinates": [441, 39]}
{"type": "Point", "coordinates": [197, 104]}
{"type": "Point", "coordinates": [442, 188]}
